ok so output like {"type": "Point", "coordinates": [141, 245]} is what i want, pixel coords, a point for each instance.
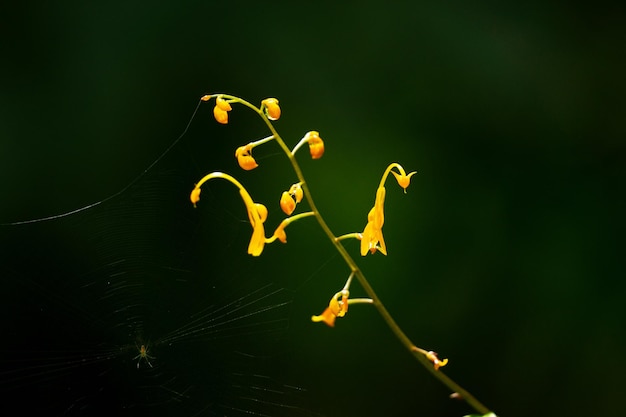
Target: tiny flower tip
{"type": "Point", "coordinates": [437, 363]}
{"type": "Point", "coordinates": [195, 196]}
{"type": "Point", "coordinates": [287, 204]}
{"type": "Point", "coordinates": [271, 107]}
{"type": "Point", "coordinates": [403, 180]}
{"type": "Point", "coordinates": [220, 115]}
{"type": "Point", "coordinates": [206, 97]}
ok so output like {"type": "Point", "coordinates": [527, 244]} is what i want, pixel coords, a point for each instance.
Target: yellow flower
{"type": "Point", "coordinates": [271, 108]}
{"type": "Point", "coordinates": [316, 144]}
{"type": "Point", "coordinates": [244, 157]}
{"type": "Point", "coordinates": [337, 307]}
{"type": "Point", "coordinates": [287, 203]}
{"type": "Point", "coordinates": [372, 236]}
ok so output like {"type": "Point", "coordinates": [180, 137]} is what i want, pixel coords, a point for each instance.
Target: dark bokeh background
{"type": "Point", "coordinates": [505, 255]}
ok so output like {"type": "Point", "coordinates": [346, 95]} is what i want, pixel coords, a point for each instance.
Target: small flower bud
{"type": "Point", "coordinates": [271, 108]}
{"type": "Point", "coordinates": [287, 204]}
{"type": "Point", "coordinates": [244, 157]}
{"type": "Point", "coordinates": [195, 196]}
{"type": "Point", "coordinates": [316, 144]}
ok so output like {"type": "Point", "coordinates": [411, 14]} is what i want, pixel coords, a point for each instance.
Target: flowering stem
{"type": "Point", "coordinates": [419, 354]}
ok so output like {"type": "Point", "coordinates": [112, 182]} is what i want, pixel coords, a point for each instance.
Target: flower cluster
{"type": "Point", "coordinates": [257, 213]}
{"type": "Point", "coordinates": [371, 238]}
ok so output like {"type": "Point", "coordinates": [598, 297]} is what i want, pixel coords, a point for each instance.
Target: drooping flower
{"type": "Point", "coordinates": [221, 109]}
{"type": "Point", "coordinates": [271, 108]}
{"type": "Point", "coordinates": [337, 307]}
{"type": "Point", "coordinates": [257, 214]}
{"type": "Point", "coordinates": [403, 179]}
{"type": "Point", "coordinates": [372, 236]}
{"type": "Point", "coordinates": [244, 157]}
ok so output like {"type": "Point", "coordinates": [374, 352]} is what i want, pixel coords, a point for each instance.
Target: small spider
{"type": "Point", "coordinates": [143, 354]}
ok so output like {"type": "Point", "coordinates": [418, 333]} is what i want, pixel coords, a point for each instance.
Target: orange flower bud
{"type": "Point", "coordinates": [244, 157]}
{"type": "Point", "coordinates": [287, 204]}
{"type": "Point", "coordinates": [220, 115]}
{"type": "Point", "coordinates": [206, 97]}
{"type": "Point", "coordinates": [316, 144]}
{"type": "Point", "coordinates": [271, 108]}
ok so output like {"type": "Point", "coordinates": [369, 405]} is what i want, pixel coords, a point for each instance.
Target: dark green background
{"type": "Point", "coordinates": [505, 255]}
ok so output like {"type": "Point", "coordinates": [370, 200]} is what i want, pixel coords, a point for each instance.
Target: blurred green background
{"type": "Point", "coordinates": [505, 255]}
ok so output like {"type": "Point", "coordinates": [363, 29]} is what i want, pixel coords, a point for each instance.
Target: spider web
{"type": "Point", "coordinates": [84, 292]}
